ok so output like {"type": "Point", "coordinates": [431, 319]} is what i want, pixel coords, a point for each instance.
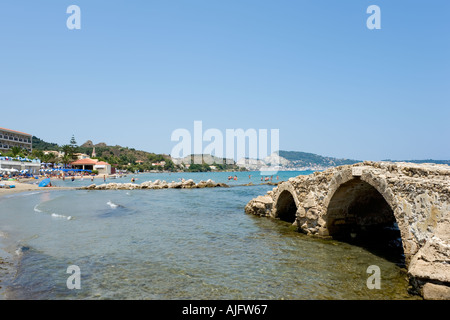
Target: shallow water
{"type": "Point", "coordinates": [242, 178]}
{"type": "Point", "coordinates": [177, 244]}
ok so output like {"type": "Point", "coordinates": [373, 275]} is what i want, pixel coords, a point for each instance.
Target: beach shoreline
{"type": "Point", "coordinates": [31, 184]}
{"type": "Point", "coordinates": [20, 187]}
{"type": "Point", "coordinates": [8, 261]}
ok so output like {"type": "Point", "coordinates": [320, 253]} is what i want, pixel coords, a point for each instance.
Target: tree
{"type": "Point", "coordinates": [49, 158]}
{"type": "Point", "coordinates": [169, 166]}
{"type": "Point", "coordinates": [66, 159]}
{"type": "Point", "coordinates": [37, 153]}
{"type": "Point", "coordinates": [73, 142]}
{"type": "Point", "coordinates": [67, 149]}
{"type": "Point", "coordinates": [39, 144]}
{"type": "Point", "coordinates": [74, 147]}
{"type": "Point", "coordinates": [16, 150]}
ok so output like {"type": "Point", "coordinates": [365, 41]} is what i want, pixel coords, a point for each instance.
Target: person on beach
{"type": "Point", "coordinates": [104, 178]}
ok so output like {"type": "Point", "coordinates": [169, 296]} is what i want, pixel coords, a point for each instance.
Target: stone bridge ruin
{"type": "Point", "coordinates": [375, 203]}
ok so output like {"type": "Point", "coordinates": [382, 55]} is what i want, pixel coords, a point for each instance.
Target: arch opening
{"type": "Point", "coordinates": [286, 208]}
{"type": "Point", "coordinates": [359, 214]}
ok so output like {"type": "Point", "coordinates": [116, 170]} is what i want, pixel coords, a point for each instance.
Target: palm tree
{"type": "Point", "coordinates": [67, 149]}
{"type": "Point", "coordinates": [66, 159]}
{"type": "Point", "coordinates": [46, 158]}
{"type": "Point", "coordinates": [49, 158]}
{"type": "Point", "coordinates": [16, 150]}
{"type": "Point", "coordinates": [37, 153]}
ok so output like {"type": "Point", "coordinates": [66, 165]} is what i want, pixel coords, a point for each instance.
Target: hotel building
{"type": "Point", "coordinates": [11, 138]}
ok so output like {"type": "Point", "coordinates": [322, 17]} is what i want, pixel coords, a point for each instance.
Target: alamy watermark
{"type": "Point", "coordinates": [374, 280]}
{"type": "Point", "coordinates": [374, 20]}
{"type": "Point", "coordinates": [74, 280]}
{"type": "Point", "coordinates": [235, 144]}
{"type": "Point", "coordinates": [74, 20]}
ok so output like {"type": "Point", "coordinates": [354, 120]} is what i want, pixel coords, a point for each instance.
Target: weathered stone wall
{"type": "Point", "coordinates": [417, 195]}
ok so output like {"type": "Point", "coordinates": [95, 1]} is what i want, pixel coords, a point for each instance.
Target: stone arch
{"type": "Point", "coordinates": [363, 205]}
{"type": "Point", "coordinates": [285, 203]}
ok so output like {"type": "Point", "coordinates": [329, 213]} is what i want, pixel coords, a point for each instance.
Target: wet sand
{"type": "Point", "coordinates": [29, 184]}
{"type": "Point", "coordinates": [22, 187]}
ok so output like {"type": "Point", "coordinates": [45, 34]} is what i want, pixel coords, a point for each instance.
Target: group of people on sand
{"type": "Point", "coordinates": [72, 177]}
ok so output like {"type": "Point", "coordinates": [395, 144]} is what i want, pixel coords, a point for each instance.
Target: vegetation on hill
{"type": "Point", "coordinates": [204, 162]}
{"type": "Point", "coordinates": [125, 158]}
{"type": "Point", "coordinates": [39, 144]}
{"type": "Point", "coordinates": [303, 159]}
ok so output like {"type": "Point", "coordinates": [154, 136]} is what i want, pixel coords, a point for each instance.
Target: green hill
{"type": "Point", "coordinates": [304, 159]}
{"type": "Point", "coordinates": [39, 144]}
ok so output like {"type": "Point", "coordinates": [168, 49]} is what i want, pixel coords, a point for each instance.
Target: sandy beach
{"type": "Point", "coordinates": [28, 184]}
{"type": "Point", "coordinates": [23, 187]}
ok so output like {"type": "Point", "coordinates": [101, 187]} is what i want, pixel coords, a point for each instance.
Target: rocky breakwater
{"type": "Point", "coordinates": [350, 201]}
{"type": "Point", "coordinates": [157, 184]}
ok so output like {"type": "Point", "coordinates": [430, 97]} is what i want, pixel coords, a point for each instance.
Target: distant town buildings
{"type": "Point", "coordinates": [54, 153]}
{"type": "Point", "coordinates": [60, 154]}
{"type": "Point", "coordinates": [12, 138]}
{"type": "Point", "coordinates": [81, 156]}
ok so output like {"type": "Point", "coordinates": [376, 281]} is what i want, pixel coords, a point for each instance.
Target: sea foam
{"type": "Point", "coordinates": [112, 204]}
{"type": "Point", "coordinates": [55, 215]}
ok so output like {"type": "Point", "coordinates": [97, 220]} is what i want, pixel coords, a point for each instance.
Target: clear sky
{"type": "Point", "coordinates": [138, 70]}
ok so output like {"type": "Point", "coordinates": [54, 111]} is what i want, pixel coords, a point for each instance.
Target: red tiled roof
{"type": "Point", "coordinates": [102, 163]}
{"type": "Point", "coordinates": [88, 162]}
{"type": "Point", "coordinates": [27, 134]}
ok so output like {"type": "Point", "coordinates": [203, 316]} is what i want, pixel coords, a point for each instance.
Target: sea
{"type": "Point", "coordinates": [175, 244]}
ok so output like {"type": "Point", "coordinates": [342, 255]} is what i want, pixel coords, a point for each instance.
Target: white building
{"type": "Point", "coordinates": [31, 166]}
{"type": "Point", "coordinates": [11, 138]}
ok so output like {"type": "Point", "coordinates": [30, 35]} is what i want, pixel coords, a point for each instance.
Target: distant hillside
{"type": "Point", "coordinates": [303, 159]}
{"type": "Point", "coordinates": [202, 163]}
{"type": "Point", "coordinates": [200, 158]}
{"type": "Point", "coordinates": [447, 162]}
{"type": "Point", "coordinates": [294, 160]}
{"type": "Point", "coordinates": [39, 144]}
{"type": "Point", "coordinates": [124, 157]}
{"type": "Point", "coordinates": [130, 158]}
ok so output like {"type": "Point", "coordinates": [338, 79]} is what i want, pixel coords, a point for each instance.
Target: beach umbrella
{"type": "Point", "coordinates": [44, 182]}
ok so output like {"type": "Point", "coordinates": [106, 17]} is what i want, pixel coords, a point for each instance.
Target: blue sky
{"type": "Point", "coordinates": [137, 71]}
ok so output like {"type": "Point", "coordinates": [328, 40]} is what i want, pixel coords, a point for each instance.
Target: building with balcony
{"type": "Point", "coordinates": [11, 138]}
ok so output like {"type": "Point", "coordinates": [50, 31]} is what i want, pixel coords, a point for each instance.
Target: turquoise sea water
{"type": "Point", "coordinates": [176, 244]}
{"type": "Point", "coordinates": [242, 178]}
